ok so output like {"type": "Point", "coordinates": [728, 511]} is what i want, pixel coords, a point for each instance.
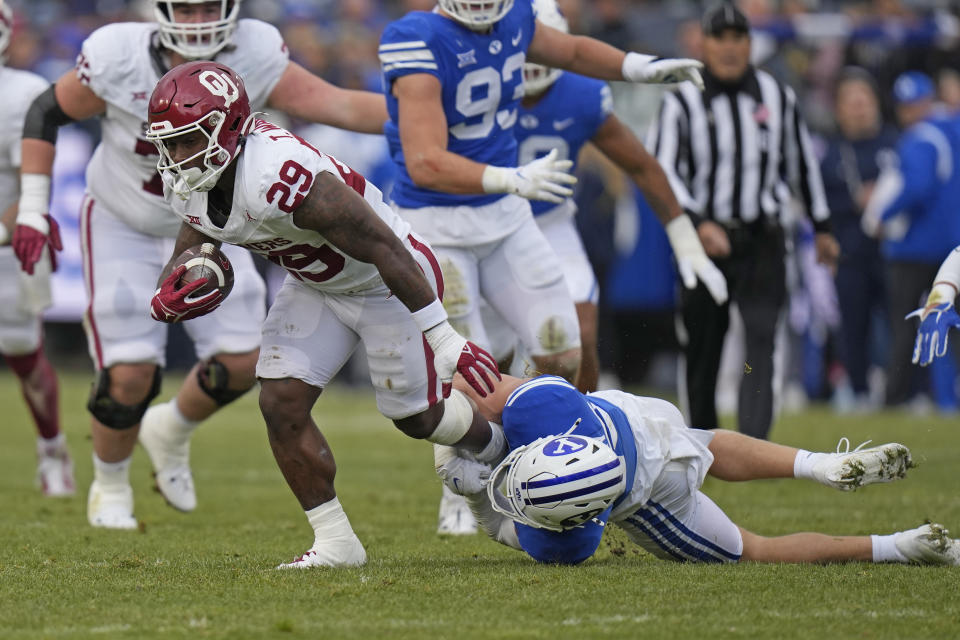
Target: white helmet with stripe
{"type": "Point", "coordinates": [558, 482]}
{"type": "Point", "coordinates": [536, 77]}
{"type": "Point", "coordinates": [476, 14]}
{"type": "Point", "coordinates": [196, 40]}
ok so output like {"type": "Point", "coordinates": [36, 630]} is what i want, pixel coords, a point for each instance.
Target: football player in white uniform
{"type": "Point", "coordinates": [128, 230]}
{"type": "Point", "coordinates": [23, 297]}
{"type": "Point", "coordinates": [579, 462]}
{"type": "Point", "coordinates": [356, 273]}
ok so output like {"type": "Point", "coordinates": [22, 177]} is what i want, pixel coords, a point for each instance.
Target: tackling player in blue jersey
{"type": "Point", "coordinates": [578, 461]}
{"type": "Point", "coordinates": [564, 111]}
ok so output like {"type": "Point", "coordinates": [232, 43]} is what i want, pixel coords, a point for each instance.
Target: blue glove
{"type": "Point", "coordinates": [933, 332]}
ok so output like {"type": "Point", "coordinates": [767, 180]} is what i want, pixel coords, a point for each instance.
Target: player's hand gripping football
{"type": "Point", "coordinates": [170, 304]}
{"type": "Point", "coordinates": [453, 353]}
{"type": "Point", "coordinates": [935, 325]}
{"type": "Point", "coordinates": [34, 232]}
{"type": "Point", "coordinates": [545, 178]}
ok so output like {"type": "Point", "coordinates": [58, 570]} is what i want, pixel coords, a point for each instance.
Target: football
{"type": "Point", "coordinates": [206, 261]}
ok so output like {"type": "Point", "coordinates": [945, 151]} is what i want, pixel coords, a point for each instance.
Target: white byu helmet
{"type": "Point", "coordinates": [557, 483]}
{"type": "Point", "coordinates": [536, 77]}
{"type": "Point", "coordinates": [6, 30]}
{"type": "Point", "coordinates": [196, 40]}
{"type": "Point", "coordinates": [476, 14]}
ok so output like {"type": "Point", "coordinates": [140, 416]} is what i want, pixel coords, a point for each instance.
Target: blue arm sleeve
{"type": "Point", "coordinates": [918, 170]}
{"type": "Point", "coordinates": [562, 547]}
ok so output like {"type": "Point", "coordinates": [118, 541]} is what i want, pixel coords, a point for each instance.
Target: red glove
{"type": "Point", "coordinates": [170, 304]}
{"type": "Point", "coordinates": [452, 352]}
{"type": "Point", "coordinates": [29, 242]}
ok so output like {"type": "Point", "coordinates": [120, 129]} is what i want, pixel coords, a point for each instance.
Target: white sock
{"type": "Point", "coordinates": [111, 474]}
{"type": "Point", "coordinates": [329, 521]}
{"type": "Point", "coordinates": [804, 462]}
{"type": "Point", "coordinates": [52, 446]}
{"type": "Point", "coordinates": [180, 426]}
{"type": "Point", "coordinates": [885, 549]}
{"type": "Point", "coordinates": [497, 447]}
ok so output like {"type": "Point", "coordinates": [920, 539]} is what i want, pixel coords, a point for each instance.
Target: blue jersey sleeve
{"type": "Point", "coordinates": [404, 51]}
{"type": "Point", "coordinates": [919, 176]}
{"type": "Point", "coordinates": [562, 547]}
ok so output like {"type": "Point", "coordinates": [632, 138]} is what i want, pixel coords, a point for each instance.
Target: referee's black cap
{"type": "Point", "coordinates": [723, 16]}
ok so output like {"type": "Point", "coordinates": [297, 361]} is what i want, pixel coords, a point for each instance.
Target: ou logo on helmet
{"type": "Point", "coordinates": [220, 84]}
{"type": "Point", "coordinates": [564, 445]}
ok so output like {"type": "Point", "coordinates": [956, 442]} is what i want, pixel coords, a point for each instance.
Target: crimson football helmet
{"type": "Point", "coordinates": [6, 30]}
{"type": "Point", "coordinates": [198, 96]}
{"type": "Point", "coordinates": [196, 40]}
{"type": "Point", "coordinates": [476, 14]}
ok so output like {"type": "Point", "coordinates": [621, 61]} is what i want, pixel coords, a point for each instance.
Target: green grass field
{"type": "Point", "coordinates": [211, 574]}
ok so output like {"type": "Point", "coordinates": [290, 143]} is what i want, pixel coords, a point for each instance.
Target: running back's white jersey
{"type": "Point", "coordinates": [274, 173]}
{"type": "Point", "coordinates": [20, 88]}
{"type": "Point", "coordinates": [118, 63]}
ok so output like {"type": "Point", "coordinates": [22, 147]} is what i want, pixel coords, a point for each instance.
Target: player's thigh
{"type": "Point", "coordinates": [461, 291]}
{"type": "Point", "coordinates": [303, 338]}
{"type": "Point", "coordinates": [679, 522]}
{"type": "Point", "coordinates": [523, 281]}
{"type": "Point", "coordinates": [561, 233]}
{"type": "Point", "coordinates": [121, 267]}
{"type": "Point", "coordinates": [19, 324]}
{"type": "Point", "coordinates": [401, 368]}
{"type": "Point", "coordinates": [235, 326]}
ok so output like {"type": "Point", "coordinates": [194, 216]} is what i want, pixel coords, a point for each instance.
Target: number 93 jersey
{"type": "Point", "coordinates": [274, 174]}
{"type": "Point", "coordinates": [481, 78]}
{"type": "Point", "coordinates": [565, 118]}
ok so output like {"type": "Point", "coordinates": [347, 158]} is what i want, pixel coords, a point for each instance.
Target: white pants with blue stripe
{"type": "Point", "coordinates": [680, 523]}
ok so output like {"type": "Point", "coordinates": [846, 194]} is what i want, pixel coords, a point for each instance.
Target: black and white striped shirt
{"type": "Point", "coordinates": [737, 154]}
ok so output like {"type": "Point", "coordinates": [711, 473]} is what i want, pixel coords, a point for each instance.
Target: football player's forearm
{"type": "Point", "coordinates": [596, 59]}
{"type": "Point", "coordinates": [363, 111]}
{"type": "Point", "coordinates": [441, 170]}
{"type": "Point", "coordinates": [36, 156]}
{"type": "Point", "coordinates": [655, 188]}
{"type": "Point", "coordinates": [403, 277]}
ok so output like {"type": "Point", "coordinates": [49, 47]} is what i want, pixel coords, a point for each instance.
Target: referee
{"type": "Point", "coordinates": [734, 155]}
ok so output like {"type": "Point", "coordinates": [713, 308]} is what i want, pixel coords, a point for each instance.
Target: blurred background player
{"type": "Point", "coordinates": [579, 461]}
{"type": "Point", "coordinates": [23, 297]}
{"type": "Point", "coordinates": [913, 211]}
{"type": "Point", "coordinates": [356, 275]}
{"type": "Point", "coordinates": [564, 111]}
{"type": "Point", "coordinates": [938, 316]}
{"type": "Point", "coordinates": [128, 232]}
{"type": "Point", "coordinates": [454, 81]}
{"type": "Point", "coordinates": [733, 154]}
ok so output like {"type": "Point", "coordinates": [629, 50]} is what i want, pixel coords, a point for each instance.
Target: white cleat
{"type": "Point", "coordinates": [929, 544]}
{"type": "Point", "coordinates": [455, 519]}
{"type": "Point", "coordinates": [849, 470]}
{"type": "Point", "coordinates": [169, 456]}
{"type": "Point", "coordinates": [111, 508]}
{"type": "Point", "coordinates": [344, 552]}
{"type": "Point", "coordinates": [55, 468]}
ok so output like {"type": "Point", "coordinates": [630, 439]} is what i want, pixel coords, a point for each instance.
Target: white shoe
{"type": "Point", "coordinates": [344, 552]}
{"type": "Point", "coordinates": [170, 457]}
{"type": "Point", "coordinates": [849, 470]}
{"type": "Point", "coordinates": [54, 468]}
{"type": "Point", "coordinates": [112, 508]}
{"type": "Point", "coordinates": [456, 519]}
{"type": "Point", "coordinates": [928, 544]}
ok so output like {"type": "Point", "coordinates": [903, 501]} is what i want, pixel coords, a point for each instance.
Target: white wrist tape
{"type": "Point", "coordinates": [683, 237]}
{"type": "Point", "coordinates": [498, 180]}
{"type": "Point", "coordinates": [430, 315]}
{"type": "Point", "coordinates": [633, 65]}
{"type": "Point", "coordinates": [34, 201]}
{"type": "Point", "coordinates": [456, 420]}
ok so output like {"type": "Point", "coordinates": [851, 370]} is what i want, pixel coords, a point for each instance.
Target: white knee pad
{"type": "Point", "coordinates": [456, 420]}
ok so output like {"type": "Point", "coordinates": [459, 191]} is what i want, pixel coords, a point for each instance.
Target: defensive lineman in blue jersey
{"type": "Point", "coordinates": [578, 461]}
{"type": "Point", "coordinates": [564, 111]}
{"type": "Point", "coordinates": [453, 80]}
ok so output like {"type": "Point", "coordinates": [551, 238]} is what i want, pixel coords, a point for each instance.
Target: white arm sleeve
{"type": "Point", "coordinates": [496, 525]}
{"type": "Point", "coordinates": [947, 283]}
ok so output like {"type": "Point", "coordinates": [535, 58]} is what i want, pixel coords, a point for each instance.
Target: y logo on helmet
{"type": "Point", "coordinates": [220, 84]}
{"type": "Point", "coordinates": [564, 445]}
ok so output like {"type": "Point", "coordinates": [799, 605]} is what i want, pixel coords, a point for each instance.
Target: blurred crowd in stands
{"type": "Point", "coordinates": [805, 43]}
